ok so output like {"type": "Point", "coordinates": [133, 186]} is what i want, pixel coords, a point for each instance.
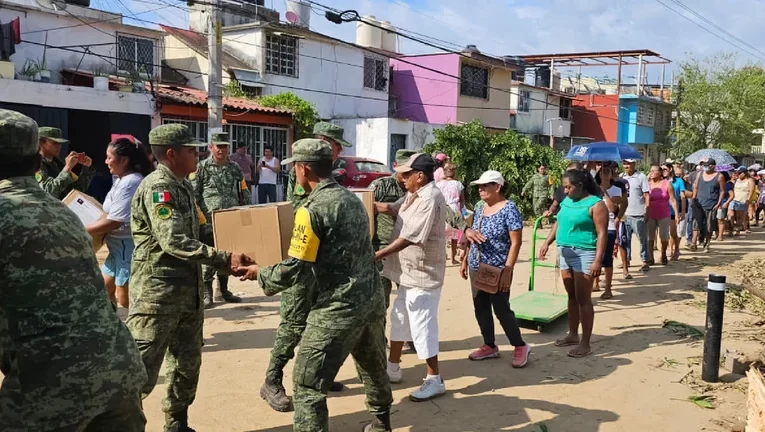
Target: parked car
{"type": "Point", "coordinates": [359, 172]}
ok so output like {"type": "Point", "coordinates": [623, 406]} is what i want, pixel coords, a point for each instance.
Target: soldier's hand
{"type": "Point", "coordinates": [247, 272]}
{"type": "Point", "coordinates": [85, 160]}
{"type": "Point", "coordinates": [71, 161]}
{"type": "Point", "coordinates": [240, 260]}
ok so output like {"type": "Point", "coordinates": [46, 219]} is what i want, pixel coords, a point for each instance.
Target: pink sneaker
{"type": "Point", "coordinates": [485, 352]}
{"type": "Point", "coordinates": [521, 356]}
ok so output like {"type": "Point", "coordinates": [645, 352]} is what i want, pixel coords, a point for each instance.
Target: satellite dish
{"type": "Point", "coordinates": [292, 17]}
{"type": "Point", "coordinates": [54, 5]}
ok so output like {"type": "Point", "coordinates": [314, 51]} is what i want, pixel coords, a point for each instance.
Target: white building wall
{"type": "Point", "coordinates": [35, 23]}
{"type": "Point", "coordinates": [329, 75]}
{"type": "Point", "coordinates": [180, 56]}
{"type": "Point", "coordinates": [542, 118]}
{"type": "Point", "coordinates": [371, 137]}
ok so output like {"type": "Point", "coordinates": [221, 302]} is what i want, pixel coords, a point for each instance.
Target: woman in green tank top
{"type": "Point", "coordinates": [581, 231]}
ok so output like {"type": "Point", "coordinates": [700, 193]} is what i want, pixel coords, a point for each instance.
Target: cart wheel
{"type": "Point", "coordinates": [540, 328]}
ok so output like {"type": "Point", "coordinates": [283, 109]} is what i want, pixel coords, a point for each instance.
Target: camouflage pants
{"type": "Point", "coordinates": [124, 416]}
{"type": "Point", "coordinates": [176, 337]}
{"type": "Point", "coordinates": [293, 312]}
{"type": "Point", "coordinates": [387, 285]}
{"type": "Point", "coordinates": [540, 206]}
{"type": "Point", "coordinates": [208, 273]}
{"type": "Point", "coordinates": [322, 352]}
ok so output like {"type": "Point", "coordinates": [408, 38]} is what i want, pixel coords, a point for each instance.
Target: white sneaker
{"type": "Point", "coordinates": [395, 375]}
{"type": "Point", "coordinates": [429, 389]}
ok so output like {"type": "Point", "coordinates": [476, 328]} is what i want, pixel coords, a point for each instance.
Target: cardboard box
{"type": "Point", "coordinates": [88, 210]}
{"type": "Point", "coordinates": [262, 232]}
{"type": "Point", "coordinates": [367, 197]}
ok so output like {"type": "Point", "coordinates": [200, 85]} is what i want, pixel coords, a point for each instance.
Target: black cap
{"type": "Point", "coordinates": [711, 161]}
{"type": "Point", "coordinates": [418, 162]}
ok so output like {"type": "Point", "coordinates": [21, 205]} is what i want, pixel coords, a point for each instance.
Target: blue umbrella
{"type": "Point", "coordinates": [721, 157]}
{"type": "Point", "coordinates": [602, 151]}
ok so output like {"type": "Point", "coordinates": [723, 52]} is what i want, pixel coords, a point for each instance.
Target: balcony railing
{"type": "Point", "coordinates": [757, 149]}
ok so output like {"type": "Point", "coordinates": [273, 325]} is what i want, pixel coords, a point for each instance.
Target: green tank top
{"type": "Point", "coordinates": [575, 225]}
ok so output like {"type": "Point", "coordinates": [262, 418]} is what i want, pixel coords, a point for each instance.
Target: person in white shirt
{"type": "Point", "coordinates": [268, 168]}
{"type": "Point", "coordinates": [415, 260]}
{"type": "Point", "coordinates": [129, 163]}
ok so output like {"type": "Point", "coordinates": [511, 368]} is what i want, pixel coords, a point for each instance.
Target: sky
{"type": "Point", "coordinates": [516, 27]}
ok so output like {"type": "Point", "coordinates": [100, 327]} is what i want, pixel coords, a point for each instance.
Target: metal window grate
{"type": "Point", "coordinates": [375, 73]}
{"type": "Point", "coordinates": [474, 81]}
{"type": "Point", "coordinates": [136, 54]}
{"type": "Point", "coordinates": [281, 55]}
{"type": "Point", "coordinates": [524, 101]}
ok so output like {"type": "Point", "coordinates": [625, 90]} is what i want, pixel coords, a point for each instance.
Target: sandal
{"type": "Point", "coordinates": [607, 295]}
{"type": "Point", "coordinates": [664, 260]}
{"type": "Point", "coordinates": [578, 354]}
{"type": "Point", "coordinates": [566, 342]}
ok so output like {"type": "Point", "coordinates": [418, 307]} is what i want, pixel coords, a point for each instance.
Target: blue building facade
{"type": "Point", "coordinates": [643, 122]}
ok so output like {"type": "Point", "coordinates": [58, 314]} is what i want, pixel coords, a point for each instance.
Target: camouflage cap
{"type": "Point", "coordinates": [18, 134]}
{"type": "Point", "coordinates": [310, 150]}
{"type": "Point", "coordinates": [403, 155]}
{"type": "Point", "coordinates": [53, 134]}
{"type": "Point", "coordinates": [331, 131]}
{"type": "Point", "coordinates": [173, 135]}
{"type": "Point", "coordinates": [220, 138]}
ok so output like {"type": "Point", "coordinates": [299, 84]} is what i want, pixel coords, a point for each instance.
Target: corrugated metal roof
{"type": "Point", "coordinates": [193, 96]}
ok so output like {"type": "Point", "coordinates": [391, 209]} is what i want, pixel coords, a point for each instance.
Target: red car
{"type": "Point", "coordinates": [359, 172]}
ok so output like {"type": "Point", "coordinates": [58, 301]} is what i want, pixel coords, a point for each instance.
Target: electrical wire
{"type": "Point", "coordinates": [83, 22]}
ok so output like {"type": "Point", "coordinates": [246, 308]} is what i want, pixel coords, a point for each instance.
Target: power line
{"type": "Point", "coordinates": [706, 29]}
{"type": "Point", "coordinates": [83, 22]}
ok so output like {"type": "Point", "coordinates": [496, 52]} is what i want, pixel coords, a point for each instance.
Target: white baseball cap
{"type": "Point", "coordinates": [490, 177]}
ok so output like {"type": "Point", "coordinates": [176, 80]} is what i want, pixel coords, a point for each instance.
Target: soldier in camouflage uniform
{"type": "Point", "coordinates": [218, 184]}
{"type": "Point", "coordinates": [57, 177]}
{"type": "Point", "coordinates": [331, 261]}
{"type": "Point", "coordinates": [539, 185]}
{"type": "Point", "coordinates": [166, 290]}
{"type": "Point", "coordinates": [331, 133]}
{"type": "Point", "coordinates": [68, 360]}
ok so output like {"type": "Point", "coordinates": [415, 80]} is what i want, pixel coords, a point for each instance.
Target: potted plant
{"type": "Point", "coordinates": [138, 77]}
{"type": "Point", "coordinates": [27, 73]}
{"type": "Point", "coordinates": [42, 70]}
{"type": "Point", "coordinates": [101, 79]}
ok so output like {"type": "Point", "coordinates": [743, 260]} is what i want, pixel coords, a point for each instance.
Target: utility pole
{"type": "Point", "coordinates": [215, 73]}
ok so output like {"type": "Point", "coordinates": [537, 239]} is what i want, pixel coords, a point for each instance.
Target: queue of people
{"type": "Point", "coordinates": [335, 284]}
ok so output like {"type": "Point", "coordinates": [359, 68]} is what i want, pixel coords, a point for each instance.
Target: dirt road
{"type": "Point", "coordinates": [631, 382]}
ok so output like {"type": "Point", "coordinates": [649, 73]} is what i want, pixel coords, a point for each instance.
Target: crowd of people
{"type": "Point", "coordinates": [58, 318]}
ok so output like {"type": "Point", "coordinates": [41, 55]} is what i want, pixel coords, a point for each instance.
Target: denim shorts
{"type": "Point", "coordinates": [739, 206]}
{"type": "Point", "coordinates": [117, 264]}
{"type": "Point", "coordinates": [575, 259]}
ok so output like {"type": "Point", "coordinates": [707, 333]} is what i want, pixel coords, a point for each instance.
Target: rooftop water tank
{"type": "Point", "coordinates": [389, 37]}
{"type": "Point", "coordinates": [367, 35]}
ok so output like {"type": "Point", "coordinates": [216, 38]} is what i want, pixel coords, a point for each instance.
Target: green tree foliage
{"type": "Point", "coordinates": [474, 150]}
{"type": "Point", "coordinates": [719, 105]}
{"type": "Point", "coordinates": [304, 113]}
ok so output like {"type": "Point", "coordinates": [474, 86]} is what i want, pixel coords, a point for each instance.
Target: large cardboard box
{"type": "Point", "coordinates": [367, 197]}
{"type": "Point", "coordinates": [262, 232]}
{"type": "Point", "coordinates": [89, 210]}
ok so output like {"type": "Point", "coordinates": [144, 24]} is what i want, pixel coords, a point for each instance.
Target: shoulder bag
{"type": "Point", "coordinates": [488, 277]}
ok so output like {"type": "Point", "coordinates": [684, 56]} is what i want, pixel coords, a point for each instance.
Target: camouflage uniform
{"type": "Point", "coordinates": [68, 360]}
{"type": "Point", "coordinates": [540, 192]}
{"type": "Point", "coordinates": [51, 177]}
{"type": "Point", "coordinates": [166, 287]}
{"type": "Point", "coordinates": [218, 187]}
{"type": "Point", "coordinates": [294, 308]}
{"type": "Point", "coordinates": [332, 263]}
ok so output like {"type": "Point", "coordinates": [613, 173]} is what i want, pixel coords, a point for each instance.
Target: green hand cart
{"type": "Point", "coordinates": [535, 308]}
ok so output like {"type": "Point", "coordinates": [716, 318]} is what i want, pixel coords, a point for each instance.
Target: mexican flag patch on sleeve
{"type": "Point", "coordinates": [161, 197]}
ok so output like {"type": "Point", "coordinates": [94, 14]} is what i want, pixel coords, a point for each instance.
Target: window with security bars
{"type": "Point", "coordinates": [524, 101]}
{"type": "Point", "coordinates": [645, 115]}
{"type": "Point", "coordinates": [375, 73]}
{"type": "Point", "coordinates": [282, 55]}
{"type": "Point", "coordinates": [474, 81]}
{"type": "Point", "coordinates": [136, 54]}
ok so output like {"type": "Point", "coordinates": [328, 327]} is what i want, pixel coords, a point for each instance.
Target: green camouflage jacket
{"type": "Point", "coordinates": [59, 183]}
{"type": "Point", "coordinates": [387, 190]}
{"type": "Point", "coordinates": [330, 259]}
{"type": "Point", "coordinates": [219, 187]}
{"type": "Point", "coordinates": [64, 352]}
{"type": "Point", "coordinates": [166, 274]}
{"type": "Point", "coordinates": [539, 185]}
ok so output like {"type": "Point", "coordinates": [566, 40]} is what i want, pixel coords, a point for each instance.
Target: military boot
{"type": "Point", "coordinates": [275, 396]}
{"type": "Point", "coordinates": [177, 422]}
{"type": "Point", "coordinates": [380, 424]}
{"type": "Point", "coordinates": [208, 300]}
{"type": "Point", "coordinates": [225, 293]}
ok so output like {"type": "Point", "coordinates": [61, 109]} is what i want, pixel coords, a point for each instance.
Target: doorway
{"type": "Point", "coordinates": [397, 142]}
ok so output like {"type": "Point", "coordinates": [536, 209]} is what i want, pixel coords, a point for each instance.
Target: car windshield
{"type": "Point", "coordinates": [371, 167]}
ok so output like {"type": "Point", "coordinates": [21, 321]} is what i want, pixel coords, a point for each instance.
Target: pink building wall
{"type": "Point", "coordinates": [424, 95]}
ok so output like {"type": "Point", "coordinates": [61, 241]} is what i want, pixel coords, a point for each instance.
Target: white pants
{"type": "Point", "coordinates": [414, 317]}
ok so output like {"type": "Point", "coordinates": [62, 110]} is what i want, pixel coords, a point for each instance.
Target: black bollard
{"type": "Point", "coordinates": [710, 370]}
